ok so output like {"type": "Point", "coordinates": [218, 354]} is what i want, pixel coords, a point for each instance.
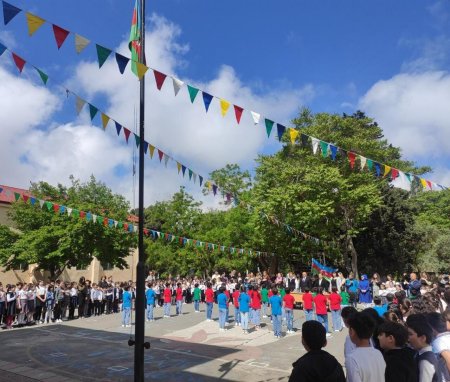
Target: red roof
{"type": "Point", "coordinates": [133, 218]}
{"type": "Point", "coordinates": [7, 194]}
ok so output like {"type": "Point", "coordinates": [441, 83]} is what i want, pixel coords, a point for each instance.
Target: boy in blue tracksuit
{"type": "Point", "coordinates": [150, 296]}
{"type": "Point", "coordinates": [222, 301]}
{"type": "Point", "coordinates": [244, 307]}
{"type": "Point", "coordinates": [126, 307]}
{"type": "Point", "coordinates": [275, 303]}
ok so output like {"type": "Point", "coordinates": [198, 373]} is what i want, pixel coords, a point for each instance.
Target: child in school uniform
{"type": "Point", "coordinates": [276, 304]}
{"type": "Point", "coordinates": [345, 297]}
{"type": "Point", "coordinates": [150, 297]}
{"type": "Point", "coordinates": [126, 307]}
{"type": "Point", "coordinates": [308, 307]}
{"type": "Point", "coordinates": [49, 304]}
{"type": "Point", "coordinates": [167, 300]}
{"type": "Point", "coordinates": [179, 299]}
{"type": "Point", "coordinates": [237, 313]}
{"type": "Point", "coordinates": [10, 305]}
{"type": "Point", "coordinates": [256, 307]}
{"type": "Point", "coordinates": [197, 295]}
{"type": "Point", "coordinates": [335, 307]}
{"type": "Point", "coordinates": [320, 302]}
{"type": "Point", "coordinates": [288, 304]}
{"type": "Point", "coordinates": [222, 303]}
{"type": "Point", "coordinates": [209, 298]}
{"type": "Point", "coordinates": [31, 296]}
{"type": "Point", "coordinates": [264, 299]}
{"type": "Point", "coordinates": [244, 307]}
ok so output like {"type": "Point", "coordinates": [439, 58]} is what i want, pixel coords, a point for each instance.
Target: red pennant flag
{"type": "Point", "coordinates": [351, 158]}
{"type": "Point", "coordinates": [160, 154]}
{"type": "Point", "coordinates": [166, 236]}
{"type": "Point", "coordinates": [145, 231]}
{"type": "Point", "coordinates": [429, 184]}
{"type": "Point", "coordinates": [394, 173]}
{"type": "Point", "coordinates": [160, 78]}
{"type": "Point", "coordinates": [105, 221]}
{"type": "Point", "coordinates": [60, 35]}
{"type": "Point", "coordinates": [127, 133]}
{"type": "Point", "coordinates": [25, 198]}
{"type": "Point", "coordinates": [19, 61]}
{"type": "Point", "coordinates": [238, 112]}
{"type": "Point", "coordinates": [82, 214]}
{"type": "Point", "coordinates": [125, 226]}
{"type": "Point", "coordinates": [180, 240]}
{"type": "Point", "coordinates": [56, 207]}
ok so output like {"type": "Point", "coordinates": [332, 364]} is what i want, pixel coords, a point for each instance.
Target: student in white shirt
{"type": "Point", "coordinates": [365, 363]}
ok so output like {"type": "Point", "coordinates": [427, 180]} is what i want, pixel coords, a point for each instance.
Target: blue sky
{"type": "Point", "coordinates": [387, 58]}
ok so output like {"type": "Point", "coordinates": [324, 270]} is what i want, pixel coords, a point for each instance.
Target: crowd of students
{"type": "Point", "coordinates": [402, 333]}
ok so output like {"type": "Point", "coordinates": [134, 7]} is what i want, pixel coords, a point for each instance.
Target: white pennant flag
{"type": "Point", "coordinates": [115, 223]}
{"type": "Point", "coordinates": [135, 228]}
{"type": "Point", "coordinates": [402, 182]}
{"type": "Point", "coordinates": [194, 175]}
{"type": "Point", "coordinates": [315, 144]}
{"type": "Point", "coordinates": [80, 43]}
{"type": "Point", "coordinates": [80, 104]}
{"type": "Point", "coordinates": [41, 202]}
{"type": "Point", "coordinates": [94, 218]}
{"type": "Point", "coordinates": [256, 117]}
{"type": "Point", "coordinates": [177, 84]}
{"type": "Point", "coordinates": [69, 211]}
{"type": "Point", "coordinates": [166, 159]}
{"type": "Point", "coordinates": [363, 161]}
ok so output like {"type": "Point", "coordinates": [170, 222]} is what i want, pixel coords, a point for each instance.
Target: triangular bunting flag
{"type": "Point", "coordinates": [238, 113]}
{"type": "Point", "coordinates": [256, 117]}
{"type": "Point", "coordinates": [152, 150]}
{"type": "Point", "coordinates": [363, 161]}
{"type": "Point", "coordinates": [16, 196]}
{"type": "Point", "coordinates": [127, 133]}
{"type": "Point", "coordinates": [19, 61]}
{"type": "Point", "coordinates": [79, 104]}
{"type": "Point", "coordinates": [424, 183]}
{"type": "Point", "coordinates": [159, 78]}
{"type": "Point", "coordinates": [118, 127]}
{"type": "Point", "coordinates": [224, 106]}
{"type": "Point", "coordinates": [122, 62]}
{"type": "Point", "coordinates": [69, 211]}
{"type": "Point", "coordinates": [200, 179]}
{"type": "Point", "coordinates": [137, 139]}
{"type": "Point", "coordinates": [9, 12]}
{"type": "Point", "coordinates": [43, 76]}
{"type": "Point", "coordinates": [145, 147]}
{"type": "Point", "coordinates": [394, 173]}
{"type": "Point", "coordinates": [324, 148]}
{"type": "Point", "coordinates": [192, 93]}
{"type": "Point", "coordinates": [408, 176]}
{"type": "Point", "coordinates": [41, 203]}
{"type": "Point", "coordinates": [269, 125]}
{"type": "Point", "coordinates": [190, 174]}
{"type": "Point", "coordinates": [293, 134]}
{"type": "Point", "coordinates": [280, 131]}
{"type": "Point", "coordinates": [304, 138]}
{"type": "Point", "coordinates": [177, 84]}
{"type": "Point", "coordinates": [207, 98]}
{"type": "Point", "coordinates": [34, 23]}
{"type": "Point", "coordinates": [378, 169]}
{"type": "Point", "coordinates": [194, 176]}
{"type": "Point", "coordinates": [102, 54]}
{"type": "Point", "coordinates": [333, 150]}
{"type": "Point", "coordinates": [141, 69]}
{"type": "Point", "coordinates": [25, 198]}
{"type": "Point", "coordinates": [387, 169]}
{"type": "Point", "coordinates": [160, 155]}
{"type": "Point", "coordinates": [105, 120]}
{"type": "Point", "coordinates": [183, 169]}
{"type": "Point", "coordinates": [60, 35]}
{"type": "Point", "coordinates": [166, 160]}
{"type": "Point", "coordinates": [49, 205]}
{"type": "Point", "coordinates": [214, 187]}
{"type": "Point", "coordinates": [80, 43]}
{"type": "Point", "coordinates": [370, 164]}
{"type": "Point", "coordinates": [351, 158]}
{"type": "Point", "coordinates": [92, 111]}
{"type": "Point", "coordinates": [2, 48]}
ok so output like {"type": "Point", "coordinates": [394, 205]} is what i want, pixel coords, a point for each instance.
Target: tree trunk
{"type": "Point", "coordinates": [273, 268]}
{"type": "Point", "coordinates": [354, 256]}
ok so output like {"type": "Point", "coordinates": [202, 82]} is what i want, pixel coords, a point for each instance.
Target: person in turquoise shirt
{"type": "Point", "coordinates": [222, 302]}
{"type": "Point", "coordinates": [126, 307]}
{"type": "Point", "coordinates": [150, 296]}
{"type": "Point", "coordinates": [275, 303]}
{"type": "Point", "coordinates": [244, 307]}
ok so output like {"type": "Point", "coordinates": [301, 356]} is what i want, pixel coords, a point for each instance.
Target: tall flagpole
{"type": "Point", "coordinates": [140, 269]}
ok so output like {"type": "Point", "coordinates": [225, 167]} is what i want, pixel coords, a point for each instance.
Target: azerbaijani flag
{"type": "Point", "coordinates": [327, 272]}
{"type": "Point", "coordinates": [135, 38]}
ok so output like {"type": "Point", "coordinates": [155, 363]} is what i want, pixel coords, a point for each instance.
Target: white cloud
{"type": "Point", "coordinates": [202, 141]}
{"type": "Point", "coordinates": [413, 111]}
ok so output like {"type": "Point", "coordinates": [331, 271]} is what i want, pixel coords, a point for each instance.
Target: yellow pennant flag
{"type": "Point", "coordinates": [424, 183]}
{"type": "Point", "coordinates": [293, 134]}
{"type": "Point", "coordinates": [80, 43]}
{"type": "Point", "coordinates": [179, 167]}
{"type": "Point", "coordinates": [152, 150]}
{"type": "Point", "coordinates": [224, 106]}
{"type": "Point", "coordinates": [141, 70]}
{"type": "Point", "coordinates": [387, 169]}
{"type": "Point", "coordinates": [105, 120]}
{"type": "Point", "coordinates": [34, 23]}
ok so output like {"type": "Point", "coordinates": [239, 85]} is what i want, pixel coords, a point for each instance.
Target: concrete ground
{"type": "Point", "coordinates": [183, 348]}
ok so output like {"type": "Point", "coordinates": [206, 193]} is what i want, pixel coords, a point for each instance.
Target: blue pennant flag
{"type": "Point", "coordinates": [207, 98]}
{"type": "Point", "coordinates": [122, 62]}
{"type": "Point", "coordinates": [9, 12]}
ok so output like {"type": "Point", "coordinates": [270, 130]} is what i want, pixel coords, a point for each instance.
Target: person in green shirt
{"type": "Point", "coordinates": [264, 299]}
{"type": "Point", "coordinates": [197, 296]}
{"type": "Point", "coordinates": [282, 293]}
{"type": "Point", "coordinates": [345, 296]}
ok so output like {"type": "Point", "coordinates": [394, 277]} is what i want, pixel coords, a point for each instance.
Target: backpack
{"type": "Point", "coordinates": [441, 372]}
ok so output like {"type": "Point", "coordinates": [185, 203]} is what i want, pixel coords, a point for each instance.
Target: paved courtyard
{"type": "Point", "coordinates": [184, 348]}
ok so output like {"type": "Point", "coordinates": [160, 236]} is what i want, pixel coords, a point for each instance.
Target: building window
{"type": "Point", "coordinates": [107, 266]}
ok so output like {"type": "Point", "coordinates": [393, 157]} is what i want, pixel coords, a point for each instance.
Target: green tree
{"type": "Point", "coordinates": [55, 242]}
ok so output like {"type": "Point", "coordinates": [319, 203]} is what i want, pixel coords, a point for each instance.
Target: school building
{"type": "Point", "coordinates": [31, 272]}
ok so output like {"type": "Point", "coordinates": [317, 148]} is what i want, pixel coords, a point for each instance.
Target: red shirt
{"type": "Point", "coordinates": [227, 293]}
{"type": "Point", "coordinates": [270, 294]}
{"type": "Point", "coordinates": [321, 304]}
{"type": "Point", "coordinates": [209, 295]}
{"type": "Point", "coordinates": [289, 301]}
{"type": "Point", "coordinates": [307, 301]}
{"type": "Point", "coordinates": [179, 294]}
{"type": "Point", "coordinates": [167, 295]}
{"type": "Point", "coordinates": [236, 298]}
{"type": "Point", "coordinates": [256, 300]}
{"type": "Point", "coordinates": [335, 301]}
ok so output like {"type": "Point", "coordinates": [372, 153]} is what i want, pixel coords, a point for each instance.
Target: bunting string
{"type": "Point", "coordinates": [34, 22]}
{"type": "Point", "coordinates": [125, 226]}
{"type": "Point", "coordinates": [181, 168]}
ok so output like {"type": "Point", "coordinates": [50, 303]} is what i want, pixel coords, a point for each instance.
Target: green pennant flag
{"type": "Point", "coordinates": [16, 196]}
{"type": "Point", "coordinates": [408, 176]}
{"type": "Point", "coordinates": [43, 76]}
{"type": "Point", "coordinates": [192, 92]}
{"type": "Point", "coordinates": [102, 54]}
{"type": "Point", "coordinates": [49, 205]}
{"type": "Point", "coordinates": [190, 174]}
{"type": "Point", "coordinates": [92, 111]}
{"type": "Point", "coordinates": [369, 164]}
{"type": "Point", "coordinates": [138, 140]}
{"type": "Point", "coordinates": [76, 213]}
{"type": "Point", "coordinates": [99, 220]}
{"type": "Point", "coordinates": [119, 225]}
{"type": "Point", "coordinates": [269, 125]}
